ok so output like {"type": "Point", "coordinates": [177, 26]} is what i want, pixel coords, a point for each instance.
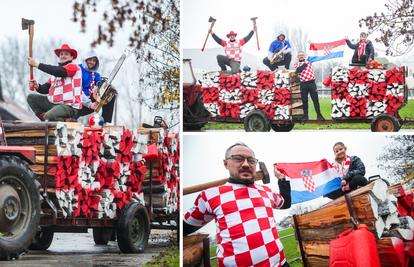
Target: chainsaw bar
{"type": "Point", "coordinates": [106, 91]}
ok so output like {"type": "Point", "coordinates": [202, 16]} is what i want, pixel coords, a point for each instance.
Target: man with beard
{"type": "Point", "coordinates": [243, 212]}
{"type": "Point", "coordinates": [307, 85]}
{"type": "Point", "coordinates": [233, 50]}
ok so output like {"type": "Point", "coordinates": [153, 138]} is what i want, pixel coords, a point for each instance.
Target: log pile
{"type": "Point", "coordinates": [94, 173]}
{"type": "Point", "coordinates": [378, 207]}
{"type": "Point", "coordinates": [275, 93]}
{"type": "Point", "coordinates": [367, 93]}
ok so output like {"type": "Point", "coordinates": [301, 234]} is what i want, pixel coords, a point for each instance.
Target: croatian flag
{"type": "Point", "coordinates": [310, 180]}
{"type": "Point", "coordinates": [323, 51]}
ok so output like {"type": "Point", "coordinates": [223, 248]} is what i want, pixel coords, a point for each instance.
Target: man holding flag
{"type": "Point", "coordinates": [307, 85]}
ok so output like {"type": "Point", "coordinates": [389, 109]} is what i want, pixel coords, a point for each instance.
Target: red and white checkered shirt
{"type": "Point", "coordinates": [233, 50]}
{"type": "Point", "coordinates": [307, 74]}
{"type": "Point", "coordinates": [245, 223]}
{"type": "Point", "coordinates": [342, 168]}
{"type": "Point", "coordinates": [67, 90]}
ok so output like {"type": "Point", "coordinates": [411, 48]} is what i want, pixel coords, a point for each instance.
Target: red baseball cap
{"type": "Point", "coordinates": [65, 47]}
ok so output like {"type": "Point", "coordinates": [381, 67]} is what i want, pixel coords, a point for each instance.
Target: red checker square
{"type": "Point", "coordinates": [57, 98]}
{"type": "Point", "coordinates": [269, 212]}
{"type": "Point", "coordinates": [241, 193]}
{"type": "Point", "coordinates": [257, 202]}
{"type": "Point", "coordinates": [237, 231]}
{"type": "Point", "coordinates": [247, 215]}
{"type": "Point", "coordinates": [222, 224]}
{"type": "Point", "coordinates": [243, 259]}
{"type": "Point", "coordinates": [228, 249]}
{"type": "Point", "coordinates": [229, 207]}
{"type": "Point", "coordinates": [225, 189]}
{"type": "Point", "coordinates": [263, 223]}
{"type": "Point", "coordinates": [255, 240]}
{"type": "Point", "coordinates": [77, 82]}
{"type": "Point", "coordinates": [263, 193]}
{"type": "Point", "coordinates": [272, 249]}
{"type": "Point", "coordinates": [67, 88]}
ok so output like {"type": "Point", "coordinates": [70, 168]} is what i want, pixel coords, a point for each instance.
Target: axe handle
{"type": "Point", "coordinates": [31, 34]}
{"type": "Point", "coordinates": [257, 36]}
{"type": "Point", "coordinates": [201, 187]}
{"type": "Point", "coordinates": [212, 24]}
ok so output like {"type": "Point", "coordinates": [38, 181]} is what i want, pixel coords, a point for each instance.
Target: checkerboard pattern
{"type": "Point", "coordinates": [307, 74]}
{"type": "Point", "coordinates": [245, 223]}
{"type": "Point", "coordinates": [233, 50]}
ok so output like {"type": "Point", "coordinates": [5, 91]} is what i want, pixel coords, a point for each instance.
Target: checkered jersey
{"type": "Point", "coordinates": [307, 74]}
{"type": "Point", "coordinates": [343, 167]}
{"type": "Point", "coordinates": [245, 223]}
{"type": "Point", "coordinates": [67, 90]}
{"type": "Point", "coordinates": [233, 50]}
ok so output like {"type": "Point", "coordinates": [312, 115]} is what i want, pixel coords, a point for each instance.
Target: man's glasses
{"type": "Point", "coordinates": [241, 159]}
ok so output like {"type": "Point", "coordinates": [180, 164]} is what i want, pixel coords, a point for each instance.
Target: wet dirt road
{"type": "Point", "coordinates": [73, 249]}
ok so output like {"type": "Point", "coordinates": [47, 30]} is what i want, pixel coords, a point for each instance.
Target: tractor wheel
{"type": "Point", "coordinates": [385, 123]}
{"type": "Point", "coordinates": [257, 121]}
{"type": "Point", "coordinates": [133, 228]}
{"type": "Point", "coordinates": [43, 240]}
{"type": "Point", "coordinates": [19, 207]}
{"type": "Point", "coordinates": [101, 236]}
{"type": "Point", "coordinates": [283, 127]}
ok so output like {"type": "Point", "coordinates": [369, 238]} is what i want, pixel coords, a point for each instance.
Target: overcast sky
{"type": "Point", "coordinates": [203, 156]}
{"type": "Point", "coordinates": [325, 20]}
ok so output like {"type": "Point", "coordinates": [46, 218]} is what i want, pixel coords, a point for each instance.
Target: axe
{"type": "Point", "coordinates": [262, 174]}
{"type": "Point", "coordinates": [212, 20]}
{"type": "Point", "coordinates": [257, 37]}
{"type": "Point", "coordinates": [28, 24]}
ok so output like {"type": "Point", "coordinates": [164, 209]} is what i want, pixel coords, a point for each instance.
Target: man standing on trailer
{"type": "Point", "coordinates": [307, 85]}
{"type": "Point", "coordinates": [243, 212]}
{"type": "Point", "coordinates": [233, 50]}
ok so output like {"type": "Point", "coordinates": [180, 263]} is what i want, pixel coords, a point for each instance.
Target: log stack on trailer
{"type": "Point", "coordinates": [93, 173]}
{"type": "Point", "coordinates": [377, 206]}
{"type": "Point", "coordinates": [275, 93]}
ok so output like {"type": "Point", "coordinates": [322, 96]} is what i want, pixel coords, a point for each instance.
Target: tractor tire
{"type": "Point", "coordinates": [101, 236]}
{"type": "Point", "coordinates": [257, 121]}
{"type": "Point", "coordinates": [385, 123]}
{"type": "Point", "coordinates": [198, 109]}
{"type": "Point", "coordinates": [283, 127]}
{"type": "Point", "coordinates": [19, 207]}
{"type": "Point", "coordinates": [133, 228]}
{"type": "Point", "coordinates": [43, 240]}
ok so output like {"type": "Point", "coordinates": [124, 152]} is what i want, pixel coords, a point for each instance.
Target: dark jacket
{"type": "Point", "coordinates": [369, 49]}
{"type": "Point", "coordinates": [357, 167]}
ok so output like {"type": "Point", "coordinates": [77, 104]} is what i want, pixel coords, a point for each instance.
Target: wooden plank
{"type": "Point", "coordinates": [296, 96]}
{"type": "Point", "coordinates": [30, 133]}
{"type": "Point", "coordinates": [50, 159]}
{"type": "Point", "coordinates": [317, 261]}
{"type": "Point", "coordinates": [397, 190]}
{"type": "Point", "coordinates": [297, 112]}
{"type": "Point", "coordinates": [297, 103]}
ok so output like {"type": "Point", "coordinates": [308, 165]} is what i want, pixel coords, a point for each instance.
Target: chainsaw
{"type": "Point", "coordinates": [158, 123]}
{"type": "Point", "coordinates": [278, 55]}
{"type": "Point", "coordinates": [105, 92]}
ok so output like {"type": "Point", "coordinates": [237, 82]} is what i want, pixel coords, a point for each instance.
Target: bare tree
{"type": "Point", "coordinates": [396, 27]}
{"type": "Point", "coordinates": [398, 160]}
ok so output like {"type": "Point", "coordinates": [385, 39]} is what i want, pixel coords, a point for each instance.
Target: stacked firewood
{"type": "Point", "coordinates": [275, 93]}
{"type": "Point", "coordinates": [377, 206]}
{"type": "Point", "coordinates": [95, 172]}
{"type": "Point", "coordinates": [366, 93]}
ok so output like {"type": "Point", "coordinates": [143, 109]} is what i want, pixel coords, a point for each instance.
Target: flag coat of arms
{"type": "Point", "coordinates": [324, 51]}
{"type": "Point", "coordinates": [310, 180]}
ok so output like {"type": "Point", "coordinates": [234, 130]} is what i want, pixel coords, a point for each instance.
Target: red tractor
{"type": "Point", "coordinates": [193, 98]}
{"type": "Point", "coordinates": [19, 199]}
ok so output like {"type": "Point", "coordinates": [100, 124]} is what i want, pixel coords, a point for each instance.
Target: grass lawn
{"type": "Point", "coordinates": [289, 244]}
{"type": "Point", "coordinates": [406, 112]}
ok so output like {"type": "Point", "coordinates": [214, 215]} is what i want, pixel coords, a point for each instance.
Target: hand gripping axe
{"type": "Point", "coordinates": [29, 24]}
{"type": "Point", "coordinates": [262, 174]}
{"type": "Point", "coordinates": [212, 20]}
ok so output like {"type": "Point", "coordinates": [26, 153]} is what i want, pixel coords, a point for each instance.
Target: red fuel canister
{"type": "Point", "coordinates": [356, 248]}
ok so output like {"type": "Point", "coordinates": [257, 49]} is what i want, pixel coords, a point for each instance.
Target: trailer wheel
{"type": "Point", "coordinates": [385, 123]}
{"type": "Point", "coordinates": [42, 241]}
{"type": "Point", "coordinates": [133, 228]}
{"type": "Point", "coordinates": [101, 236]}
{"type": "Point", "coordinates": [257, 121]}
{"type": "Point", "coordinates": [283, 127]}
{"type": "Point", "coordinates": [19, 207]}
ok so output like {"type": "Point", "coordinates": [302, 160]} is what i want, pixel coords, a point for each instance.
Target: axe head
{"type": "Point", "coordinates": [255, 18]}
{"type": "Point", "coordinates": [26, 23]}
{"type": "Point", "coordinates": [266, 177]}
{"type": "Point", "coordinates": [211, 19]}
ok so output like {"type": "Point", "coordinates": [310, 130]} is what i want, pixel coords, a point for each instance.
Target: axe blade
{"type": "Point", "coordinates": [211, 19]}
